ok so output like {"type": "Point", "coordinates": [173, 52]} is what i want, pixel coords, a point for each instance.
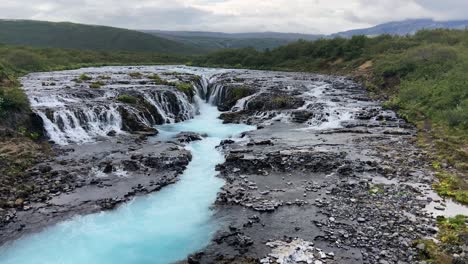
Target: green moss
{"type": "Point", "coordinates": [451, 231]}
{"type": "Point", "coordinates": [97, 85]}
{"type": "Point", "coordinates": [158, 81]}
{"type": "Point", "coordinates": [240, 92]}
{"type": "Point", "coordinates": [135, 74]}
{"type": "Point", "coordinates": [128, 99]}
{"type": "Point", "coordinates": [186, 88]}
{"type": "Point", "coordinates": [84, 77]}
{"type": "Point", "coordinates": [377, 189]}
{"type": "Point", "coordinates": [281, 101]}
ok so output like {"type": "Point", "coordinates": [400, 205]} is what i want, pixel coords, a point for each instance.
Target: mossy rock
{"type": "Point", "coordinates": [128, 99]}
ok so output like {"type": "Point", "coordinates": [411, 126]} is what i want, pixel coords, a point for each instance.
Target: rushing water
{"type": "Point", "coordinates": [160, 228]}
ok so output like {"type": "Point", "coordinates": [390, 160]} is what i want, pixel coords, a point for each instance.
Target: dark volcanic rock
{"type": "Point", "coordinates": [187, 137]}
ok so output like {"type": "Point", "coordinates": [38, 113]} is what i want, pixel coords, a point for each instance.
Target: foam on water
{"type": "Point", "coordinates": [159, 228]}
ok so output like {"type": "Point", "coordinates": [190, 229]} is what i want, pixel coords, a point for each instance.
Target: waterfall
{"type": "Point", "coordinates": [202, 87]}
{"type": "Point", "coordinates": [73, 112]}
{"type": "Point", "coordinates": [81, 125]}
{"type": "Point", "coordinates": [78, 114]}
{"type": "Point", "coordinates": [243, 103]}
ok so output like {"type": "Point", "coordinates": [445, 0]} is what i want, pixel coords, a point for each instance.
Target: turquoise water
{"type": "Point", "coordinates": [159, 228]}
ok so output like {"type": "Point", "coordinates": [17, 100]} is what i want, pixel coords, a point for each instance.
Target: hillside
{"type": "Point", "coordinates": [218, 40]}
{"type": "Point", "coordinates": [410, 26]}
{"type": "Point", "coordinates": [79, 36]}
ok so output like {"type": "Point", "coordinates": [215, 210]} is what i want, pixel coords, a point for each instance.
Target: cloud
{"type": "Point", "coordinates": [309, 16]}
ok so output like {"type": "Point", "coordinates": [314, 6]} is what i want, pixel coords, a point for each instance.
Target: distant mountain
{"type": "Point", "coordinates": [79, 36]}
{"type": "Point", "coordinates": [219, 40]}
{"type": "Point", "coordinates": [404, 27]}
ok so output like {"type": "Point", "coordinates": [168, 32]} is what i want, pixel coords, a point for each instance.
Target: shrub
{"type": "Point", "coordinates": [13, 99]}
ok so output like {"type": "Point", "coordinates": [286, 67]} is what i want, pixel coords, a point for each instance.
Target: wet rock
{"type": "Point", "coordinates": [296, 251]}
{"type": "Point", "coordinates": [187, 137]}
{"type": "Point", "coordinates": [45, 168]}
{"type": "Point", "coordinates": [108, 168]}
{"type": "Point", "coordinates": [301, 116]}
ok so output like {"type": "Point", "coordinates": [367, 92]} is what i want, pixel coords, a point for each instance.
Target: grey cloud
{"type": "Point", "coordinates": [310, 16]}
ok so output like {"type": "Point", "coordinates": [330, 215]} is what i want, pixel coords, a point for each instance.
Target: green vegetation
{"type": "Point", "coordinates": [186, 88]}
{"type": "Point", "coordinates": [240, 92]}
{"type": "Point", "coordinates": [135, 74]}
{"type": "Point", "coordinates": [157, 80]}
{"type": "Point", "coordinates": [423, 77]}
{"type": "Point", "coordinates": [128, 99]}
{"type": "Point", "coordinates": [281, 101]}
{"type": "Point", "coordinates": [78, 36]}
{"type": "Point", "coordinates": [17, 61]}
{"type": "Point", "coordinates": [96, 85]}
{"type": "Point", "coordinates": [452, 235]}
{"type": "Point", "coordinates": [84, 77]}
{"type": "Point", "coordinates": [218, 43]}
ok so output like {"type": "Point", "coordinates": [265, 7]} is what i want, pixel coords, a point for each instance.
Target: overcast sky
{"type": "Point", "coordinates": [306, 16]}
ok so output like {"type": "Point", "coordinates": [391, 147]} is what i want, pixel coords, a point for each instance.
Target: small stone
{"type": "Point", "coordinates": [421, 246]}
{"type": "Point", "coordinates": [361, 220]}
{"type": "Point", "coordinates": [19, 202]}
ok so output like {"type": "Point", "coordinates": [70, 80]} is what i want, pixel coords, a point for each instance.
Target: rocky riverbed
{"type": "Point", "coordinates": [328, 177]}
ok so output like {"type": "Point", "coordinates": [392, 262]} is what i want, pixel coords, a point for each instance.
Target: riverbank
{"type": "Point", "coordinates": [329, 170]}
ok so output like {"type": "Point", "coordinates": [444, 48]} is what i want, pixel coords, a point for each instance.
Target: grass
{"type": "Point", "coordinates": [128, 99]}
{"type": "Point", "coordinates": [240, 92]}
{"type": "Point", "coordinates": [84, 77]}
{"type": "Point", "coordinates": [186, 88]}
{"type": "Point", "coordinates": [158, 81]}
{"type": "Point", "coordinates": [450, 240]}
{"type": "Point", "coordinates": [135, 74]}
{"type": "Point", "coordinates": [97, 84]}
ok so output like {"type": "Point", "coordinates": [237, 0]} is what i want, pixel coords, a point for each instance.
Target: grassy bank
{"type": "Point", "coordinates": [423, 77]}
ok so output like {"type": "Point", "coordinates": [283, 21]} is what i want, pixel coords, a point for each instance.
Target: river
{"type": "Point", "coordinates": [160, 228]}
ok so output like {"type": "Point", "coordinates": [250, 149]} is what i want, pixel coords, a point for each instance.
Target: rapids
{"type": "Point", "coordinates": [160, 228]}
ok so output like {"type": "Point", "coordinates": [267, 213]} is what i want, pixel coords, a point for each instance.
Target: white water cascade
{"type": "Point", "coordinates": [72, 112]}
{"type": "Point", "coordinates": [160, 228]}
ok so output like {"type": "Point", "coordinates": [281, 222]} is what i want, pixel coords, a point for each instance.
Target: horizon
{"type": "Point", "coordinates": [235, 16]}
{"type": "Point", "coordinates": [233, 33]}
